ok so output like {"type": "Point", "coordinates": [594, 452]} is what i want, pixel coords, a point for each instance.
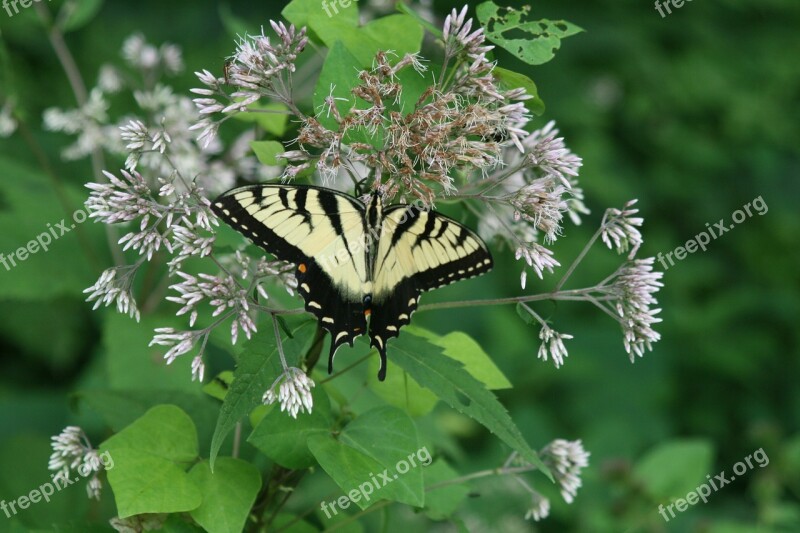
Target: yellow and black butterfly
{"type": "Point", "coordinates": [355, 261]}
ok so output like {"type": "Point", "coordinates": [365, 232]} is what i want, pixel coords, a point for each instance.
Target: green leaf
{"type": "Point", "coordinates": [149, 459]}
{"type": "Point", "coordinates": [400, 33]}
{"type": "Point", "coordinates": [449, 380]}
{"type": "Point", "coordinates": [320, 21]}
{"type": "Point", "coordinates": [443, 501]}
{"type": "Point", "coordinates": [400, 390]}
{"type": "Point", "coordinates": [274, 123]}
{"type": "Point", "coordinates": [266, 151]}
{"type": "Point", "coordinates": [372, 444]}
{"type": "Point", "coordinates": [81, 13]}
{"type": "Point", "coordinates": [542, 37]}
{"type": "Point", "coordinates": [131, 363]}
{"type": "Point", "coordinates": [218, 387]}
{"type": "Point", "coordinates": [403, 8]}
{"type": "Point", "coordinates": [525, 315]}
{"type": "Point", "coordinates": [44, 249]}
{"type": "Point", "coordinates": [119, 408]}
{"type": "Point", "coordinates": [511, 80]}
{"type": "Point", "coordinates": [461, 347]}
{"type": "Point", "coordinates": [292, 524]}
{"type": "Point", "coordinates": [228, 494]}
{"type": "Point", "coordinates": [257, 369]}
{"type": "Point", "coordinates": [674, 468]}
{"type": "Point", "coordinates": [283, 438]}
{"type": "Point", "coordinates": [338, 77]}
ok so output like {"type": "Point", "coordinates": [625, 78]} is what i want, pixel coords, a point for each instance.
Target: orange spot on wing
{"type": "Point", "coordinates": [302, 268]}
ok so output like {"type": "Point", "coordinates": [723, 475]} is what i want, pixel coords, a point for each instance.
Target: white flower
{"type": "Point", "coordinates": [294, 392]}
{"type": "Point", "coordinates": [538, 258]}
{"type": "Point", "coordinates": [180, 341]}
{"type": "Point", "coordinates": [540, 507]}
{"type": "Point", "coordinates": [552, 344]}
{"type": "Point", "coordinates": [198, 368]}
{"type": "Point", "coordinates": [109, 79]}
{"type": "Point", "coordinates": [458, 36]}
{"type": "Point", "coordinates": [72, 451]}
{"type": "Point", "coordinates": [548, 153]}
{"type": "Point", "coordinates": [619, 229]}
{"type": "Point", "coordinates": [634, 285]}
{"type": "Point", "coordinates": [112, 288]}
{"type": "Point", "coordinates": [566, 459]}
{"type": "Point", "coordinates": [541, 203]}
{"type": "Point", "coordinates": [8, 124]}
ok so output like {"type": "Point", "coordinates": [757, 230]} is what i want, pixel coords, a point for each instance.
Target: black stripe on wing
{"type": "Point", "coordinates": [442, 231]}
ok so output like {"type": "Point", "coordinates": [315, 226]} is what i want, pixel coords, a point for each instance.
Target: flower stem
{"type": "Point", "coordinates": [578, 259]}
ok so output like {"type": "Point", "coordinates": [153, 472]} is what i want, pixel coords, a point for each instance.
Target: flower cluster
{"type": "Point", "coordinates": [633, 286]}
{"type": "Point", "coordinates": [552, 344]}
{"type": "Point", "coordinates": [294, 392]}
{"type": "Point", "coordinates": [565, 459]}
{"type": "Point", "coordinates": [538, 186]}
{"type": "Point", "coordinates": [114, 286]}
{"type": "Point", "coordinates": [420, 141]}
{"type": "Point", "coordinates": [258, 69]}
{"type": "Point", "coordinates": [72, 451]}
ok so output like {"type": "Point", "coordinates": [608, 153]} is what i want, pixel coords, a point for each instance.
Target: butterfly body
{"type": "Point", "coordinates": [355, 262]}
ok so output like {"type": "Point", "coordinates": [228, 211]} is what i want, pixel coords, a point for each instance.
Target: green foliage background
{"type": "Point", "coordinates": [695, 114]}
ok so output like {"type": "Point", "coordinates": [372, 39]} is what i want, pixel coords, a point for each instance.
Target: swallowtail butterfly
{"type": "Point", "coordinates": [355, 261]}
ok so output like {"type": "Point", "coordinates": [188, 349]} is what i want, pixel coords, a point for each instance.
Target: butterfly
{"type": "Point", "coordinates": [355, 261]}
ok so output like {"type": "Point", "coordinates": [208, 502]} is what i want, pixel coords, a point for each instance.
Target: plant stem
{"type": "Point", "coordinates": [237, 439]}
{"type": "Point", "coordinates": [578, 259]}
{"type": "Point", "coordinates": [347, 368]}
{"type": "Point", "coordinates": [574, 294]}
{"type": "Point", "coordinates": [81, 96]}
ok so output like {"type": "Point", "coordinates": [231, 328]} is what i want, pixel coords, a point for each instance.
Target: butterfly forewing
{"type": "Point", "coordinates": [317, 230]}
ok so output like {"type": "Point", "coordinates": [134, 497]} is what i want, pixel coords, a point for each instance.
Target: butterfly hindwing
{"type": "Point", "coordinates": [315, 229]}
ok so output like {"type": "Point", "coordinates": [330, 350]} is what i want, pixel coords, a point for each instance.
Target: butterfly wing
{"type": "Point", "coordinates": [418, 251]}
{"type": "Point", "coordinates": [319, 230]}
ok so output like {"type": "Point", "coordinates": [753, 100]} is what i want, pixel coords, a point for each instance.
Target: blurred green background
{"type": "Point", "coordinates": [694, 114]}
